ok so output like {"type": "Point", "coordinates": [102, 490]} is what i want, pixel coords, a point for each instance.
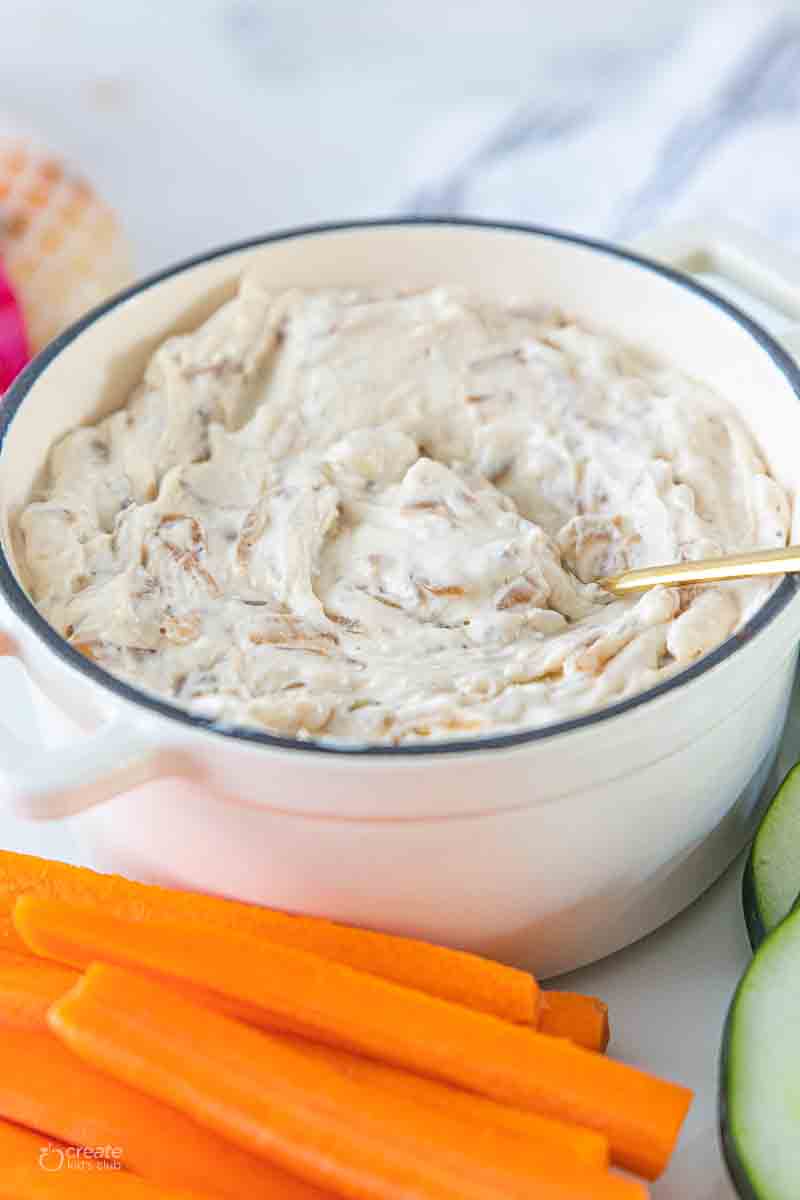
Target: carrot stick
{"type": "Point", "coordinates": [29, 986]}
{"type": "Point", "coordinates": [17, 957]}
{"type": "Point", "coordinates": [269, 1096]}
{"type": "Point", "coordinates": [582, 1019]}
{"type": "Point", "coordinates": [278, 987]}
{"type": "Point", "coordinates": [28, 991]}
{"type": "Point", "coordinates": [22, 1147]}
{"type": "Point", "coordinates": [49, 1089]}
{"type": "Point", "coordinates": [565, 1141]}
{"type": "Point", "coordinates": [35, 1168]}
{"type": "Point", "coordinates": [454, 975]}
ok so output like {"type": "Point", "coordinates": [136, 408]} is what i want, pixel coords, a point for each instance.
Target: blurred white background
{"type": "Point", "coordinates": [208, 120]}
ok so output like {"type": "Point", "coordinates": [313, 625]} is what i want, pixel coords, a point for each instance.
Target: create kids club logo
{"type": "Point", "coordinates": [80, 1158]}
{"type": "Point", "coordinates": [51, 1158]}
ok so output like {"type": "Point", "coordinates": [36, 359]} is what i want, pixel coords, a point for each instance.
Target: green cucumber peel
{"type": "Point", "coordinates": [771, 882]}
{"type": "Point", "coordinates": [760, 1071]}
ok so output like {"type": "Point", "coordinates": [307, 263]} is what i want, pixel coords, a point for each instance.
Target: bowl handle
{"type": "Point", "coordinates": [43, 784]}
{"type": "Point", "coordinates": [754, 272]}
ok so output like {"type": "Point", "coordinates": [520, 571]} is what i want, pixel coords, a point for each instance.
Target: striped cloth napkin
{"type": "Point", "coordinates": [613, 141]}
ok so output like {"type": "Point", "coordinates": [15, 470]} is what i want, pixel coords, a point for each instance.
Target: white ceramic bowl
{"type": "Point", "coordinates": [550, 847]}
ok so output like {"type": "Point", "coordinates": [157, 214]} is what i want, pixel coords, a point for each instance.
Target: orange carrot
{"type": "Point", "coordinates": [22, 1147]}
{"type": "Point", "coordinates": [47, 1088]}
{"type": "Point", "coordinates": [582, 1019]}
{"type": "Point", "coordinates": [454, 975]}
{"type": "Point", "coordinates": [28, 986]}
{"type": "Point", "coordinates": [28, 991]}
{"type": "Point", "coordinates": [35, 1168]}
{"type": "Point", "coordinates": [16, 957]}
{"type": "Point", "coordinates": [272, 1098]}
{"type": "Point", "coordinates": [278, 987]}
{"type": "Point", "coordinates": [564, 1141]}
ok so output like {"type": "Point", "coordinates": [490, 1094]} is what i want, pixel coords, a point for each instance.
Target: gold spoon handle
{"type": "Point", "coordinates": [706, 570]}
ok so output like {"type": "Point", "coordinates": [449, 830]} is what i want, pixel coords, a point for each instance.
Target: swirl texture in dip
{"type": "Point", "coordinates": [377, 517]}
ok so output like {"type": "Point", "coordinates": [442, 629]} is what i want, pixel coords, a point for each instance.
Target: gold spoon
{"type": "Point", "coordinates": [706, 570]}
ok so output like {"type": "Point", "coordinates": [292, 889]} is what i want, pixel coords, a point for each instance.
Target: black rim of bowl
{"type": "Point", "coordinates": [24, 608]}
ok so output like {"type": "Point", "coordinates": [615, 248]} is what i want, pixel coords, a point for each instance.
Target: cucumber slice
{"type": "Point", "coordinates": [772, 875]}
{"type": "Point", "coordinates": [760, 1072]}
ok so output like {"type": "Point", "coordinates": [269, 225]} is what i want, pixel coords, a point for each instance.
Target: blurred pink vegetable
{"type": "Point", "coordinates": [13, 338]}
{"type": "Point", "coordinates": [61, 246]}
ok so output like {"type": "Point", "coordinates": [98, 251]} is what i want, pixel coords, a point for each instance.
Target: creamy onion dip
{"type": "Point", "coordinates": [377, 517]}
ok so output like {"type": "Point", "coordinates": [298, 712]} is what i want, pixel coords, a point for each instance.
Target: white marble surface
{"type": "Point", "coordinates": [209, 120]}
